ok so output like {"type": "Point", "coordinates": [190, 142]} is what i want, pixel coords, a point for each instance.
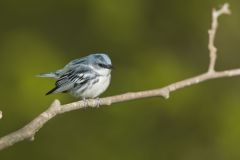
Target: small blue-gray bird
{"type": "Point", "coordinates": [87, 77]}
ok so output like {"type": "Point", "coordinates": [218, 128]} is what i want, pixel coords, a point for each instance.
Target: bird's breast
{"type": "Point", "coordinates": [97, 86]}
{"type": "Point", "coordinates": [103, 71]}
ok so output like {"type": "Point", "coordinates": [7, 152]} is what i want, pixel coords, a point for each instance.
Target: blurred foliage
{"type": "Point", "coordinates": [152, 43]}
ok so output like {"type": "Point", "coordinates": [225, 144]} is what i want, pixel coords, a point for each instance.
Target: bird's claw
{"type": "Point", "coordinates": [85, 102]}
{"type": "Point", "coordinates": [98, 102]}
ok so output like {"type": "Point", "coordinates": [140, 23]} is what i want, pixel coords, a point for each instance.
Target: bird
{"type": "Point", "coordinates": [85, 78]}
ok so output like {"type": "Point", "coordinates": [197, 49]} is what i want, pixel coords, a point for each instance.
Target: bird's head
{"type": "Point", "coordinates": [101, 62]}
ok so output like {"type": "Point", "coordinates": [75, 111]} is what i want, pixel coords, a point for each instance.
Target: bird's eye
{"type": "Point", "coordinates": [106, 66]}
{"type": "Point", "coordinates": [101, 65]}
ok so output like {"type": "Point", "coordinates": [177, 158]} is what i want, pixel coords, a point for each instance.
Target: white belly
{"type": "Point", "coordinates": [98, 88]}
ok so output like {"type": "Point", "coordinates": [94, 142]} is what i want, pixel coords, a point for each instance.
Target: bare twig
{"type": "Point", "coordinates": [212, 33]}
{"type": "Point", "coordinates": [29, 131]}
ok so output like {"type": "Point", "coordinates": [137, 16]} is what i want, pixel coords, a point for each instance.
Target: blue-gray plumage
{"type": "Point", "coordinates": [86, 77]}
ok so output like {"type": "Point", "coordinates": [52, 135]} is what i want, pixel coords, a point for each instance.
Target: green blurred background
{"type": "Point", "coordinates": [152, 43]}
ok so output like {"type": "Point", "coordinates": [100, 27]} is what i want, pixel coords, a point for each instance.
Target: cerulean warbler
{"type": "Point", "coordinates": [87, 77]}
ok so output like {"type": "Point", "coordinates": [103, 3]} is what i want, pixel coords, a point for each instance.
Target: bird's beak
{"type": "Point", "coordinates": [109, 66]}
{"type": "Point", "coordinates": [106, 66]}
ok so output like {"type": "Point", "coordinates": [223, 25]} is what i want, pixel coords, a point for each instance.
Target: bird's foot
{"type": "Point", "coordinates": [85, 103]}
{"type": "Point", "coordinates": [88, 102]}
{"type": "Point", "coordinates": [98, 102]}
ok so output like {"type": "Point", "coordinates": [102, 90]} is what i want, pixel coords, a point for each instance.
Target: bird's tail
{"type": "Point", "coordinates": [49, 75]}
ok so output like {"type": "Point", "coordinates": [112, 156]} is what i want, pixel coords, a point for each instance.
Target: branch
{"type": "Point", "coordinates": [29, 131]}
{"type": "Point", "coordinates": [212, 33]}
{"type": "Point", "coordinates": [1, 115]}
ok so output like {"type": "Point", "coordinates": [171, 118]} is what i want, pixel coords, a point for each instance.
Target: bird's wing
{"type": "Point", "coordinates": [76, 62]}
{"type": "Point", "coordinates": [74, 76]}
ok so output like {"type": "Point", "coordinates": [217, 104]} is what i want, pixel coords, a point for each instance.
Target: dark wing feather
{"type": "Point", "coordinates": [51, 91]}
{"type": "Point", "coordinates": [72, 78]}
